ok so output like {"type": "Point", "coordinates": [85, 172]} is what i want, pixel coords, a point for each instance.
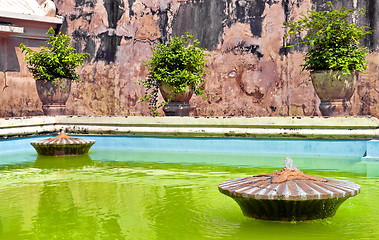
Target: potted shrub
{"type": "Point", "coordinates": [54, 67]}
{"type": "Point", "coordinates": [176, 69]}
{"type": "Point", "coordinates": [334, 55]}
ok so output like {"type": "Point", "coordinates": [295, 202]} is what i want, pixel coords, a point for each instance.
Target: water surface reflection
{"type": "Point", "coordinates": [130, 196]}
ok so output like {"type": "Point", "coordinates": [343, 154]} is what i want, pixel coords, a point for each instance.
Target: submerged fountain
{"type": "Point", "coordinates": [289, 194]}
{"type": "Point", "coordinates": [62, 145]}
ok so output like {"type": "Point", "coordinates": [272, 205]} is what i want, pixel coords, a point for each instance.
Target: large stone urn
{"type": "Point", "coordinates": [334, 90]}
{"type": "Point", "coordinates": [179, 102]}
{"type": "Point", "coordinates": [54, 95]}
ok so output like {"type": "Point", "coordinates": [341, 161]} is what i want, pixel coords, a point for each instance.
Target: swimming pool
{"type": "Point", "coordinates": [166, 188]}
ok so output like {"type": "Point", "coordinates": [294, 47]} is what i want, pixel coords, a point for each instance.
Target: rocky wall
{"type": "Point", "coordinates": [251, 73]}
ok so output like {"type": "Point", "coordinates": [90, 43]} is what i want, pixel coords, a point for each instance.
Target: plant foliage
{"type": "Point", "coordinates": [57, 60]}
{"type": "Point", "coordinates": [333, 42]}
{"type": "Point", "coordinates": [179, 64]}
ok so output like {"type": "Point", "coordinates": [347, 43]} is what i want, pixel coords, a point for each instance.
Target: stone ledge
{"type": "Point", "coordinates": [240, 122]}
{"type": "Point", "coordinates": [30, 17]}
{"type": "Point", "coordinates": [259, 127]}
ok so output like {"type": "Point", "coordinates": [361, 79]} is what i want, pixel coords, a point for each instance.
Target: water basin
{"type": "Point", "coordinates": [137, 191]}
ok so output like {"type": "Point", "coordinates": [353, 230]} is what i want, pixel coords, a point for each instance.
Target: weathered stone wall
{"type": "Point", "coordinates": [18, 94]}
{"type": "Point", "coordinates": [250, 71]}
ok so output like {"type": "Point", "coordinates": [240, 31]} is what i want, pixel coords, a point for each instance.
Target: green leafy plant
{"type": "Point", "coordinates": [333, 42]}
{"type": "Point", "coordinates": [179, 64]}
{"type": "Point", "coordinates": [57, 60]}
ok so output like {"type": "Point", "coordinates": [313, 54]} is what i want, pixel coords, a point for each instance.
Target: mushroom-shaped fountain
{"type": "Point", "coordinates": [288, 195]}
{"type": "Point", "coordinates": [62, 145]}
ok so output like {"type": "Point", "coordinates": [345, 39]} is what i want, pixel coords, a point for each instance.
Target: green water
{"type": "Point", "coordinates": [165, 195]}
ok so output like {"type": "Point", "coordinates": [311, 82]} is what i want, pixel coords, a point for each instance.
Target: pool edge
{"type": "Point", "coordinates": [254, 127]}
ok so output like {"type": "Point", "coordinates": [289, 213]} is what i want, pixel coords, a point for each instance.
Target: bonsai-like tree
{"type": "Point", "coordinates": [332, 41]}
{"type": "Point", "coordinates": [179, 64]}
{"type": "Point", "coordinates": [57, 60]}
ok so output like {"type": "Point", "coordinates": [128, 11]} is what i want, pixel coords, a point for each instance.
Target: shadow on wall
{"type": "Point", "coordinates": [8, 57]}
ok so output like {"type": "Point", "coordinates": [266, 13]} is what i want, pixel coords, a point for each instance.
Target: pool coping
{"type": "Point", "coordinates": [244, 127]}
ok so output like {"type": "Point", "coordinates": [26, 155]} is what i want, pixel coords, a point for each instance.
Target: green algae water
{"type": "Point", "coordinates": [130, 194]}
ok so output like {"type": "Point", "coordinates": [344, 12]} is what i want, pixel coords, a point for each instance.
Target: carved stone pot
{"type": "Point", "coordinates": [53, 95]}
{"type": "Point", "coordinates": [334, 90]}
{"type": "Point", "coordinates": [179, 104]}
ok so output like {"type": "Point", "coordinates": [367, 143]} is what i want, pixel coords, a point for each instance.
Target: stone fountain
{"type": "Point", "coordinates": [289, 194]}
{"type": "Point", "coordinates": [62, 145]}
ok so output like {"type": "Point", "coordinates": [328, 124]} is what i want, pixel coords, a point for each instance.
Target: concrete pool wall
{"type": "Point", "coordinates": [292, 127]}
{"type": "Point", "coordinates": [361, 131]}
{"type": "Point", "coordinates": [258, 127]}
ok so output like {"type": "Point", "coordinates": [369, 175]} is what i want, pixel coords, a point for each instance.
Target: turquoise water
{"type": "Point", "coordinates": [116, 193]}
